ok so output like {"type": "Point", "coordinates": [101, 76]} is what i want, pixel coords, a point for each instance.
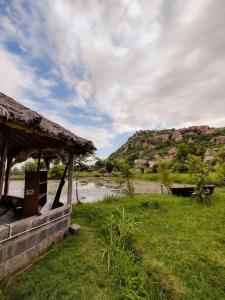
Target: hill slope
{"type": "Point", "coordinates": [145, 144]}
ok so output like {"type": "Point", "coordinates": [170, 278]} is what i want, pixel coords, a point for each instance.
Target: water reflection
{"type": "Point", "coordinates": [89, 189]}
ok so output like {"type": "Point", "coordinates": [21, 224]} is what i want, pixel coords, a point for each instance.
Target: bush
{"type": "Point", "coordinates": [179, 167]}
{"type": "Point", "coordinates": [201, 194]}
{"type": "Point", "coordinates": [126, 176]}
{"type": "Point", "coordinates": [194, 163]}
{"type": "Point", "coordinates": [109, 167]}
{"type": "Point", "coordinates": [56, 171]}
{"type": "Point", "coordinates": [32, 166]}
{"type": "Point", "coordinates": [119, 254]}
{"type": "Point", "coordinates": [220, 173]}
{"type": "Point", "coordinates": [164, 172]}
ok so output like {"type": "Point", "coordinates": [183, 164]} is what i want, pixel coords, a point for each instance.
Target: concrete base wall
{"type": "Point", "coordinates": [22, 242]}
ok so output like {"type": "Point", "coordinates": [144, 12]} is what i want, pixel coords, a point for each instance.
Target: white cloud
{"type": "Point", "coordinates": [143, 62]}
{"type": "Point", "coordinates": [16, 77]}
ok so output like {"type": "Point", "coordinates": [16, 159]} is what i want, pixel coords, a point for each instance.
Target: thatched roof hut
{"type": "Point", "coordinates": [30, 130]}
{"type": "Point", "coordinates": [25, 133]}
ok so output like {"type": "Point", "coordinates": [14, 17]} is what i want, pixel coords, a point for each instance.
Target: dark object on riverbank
{"type": "Point", "coordinates": [187, 191]}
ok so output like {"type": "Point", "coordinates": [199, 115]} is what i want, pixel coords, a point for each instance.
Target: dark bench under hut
{"type": "Point", "coordinates": [32, 222]}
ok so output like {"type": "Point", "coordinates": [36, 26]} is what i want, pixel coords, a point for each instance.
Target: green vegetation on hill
{"type": "Point", "coordinates": [176, 251]}
{"type": "Point", "coordinates": [146, 144]}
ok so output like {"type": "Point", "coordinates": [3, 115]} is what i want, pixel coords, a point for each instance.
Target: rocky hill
{"type": "Point", "coordinates": [145, 144]}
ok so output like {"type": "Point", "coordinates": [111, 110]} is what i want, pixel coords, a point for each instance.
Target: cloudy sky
{"type": "Point", "coordinates": [106, 68]}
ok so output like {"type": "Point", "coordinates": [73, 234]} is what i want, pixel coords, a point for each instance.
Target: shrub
{"type": "Point", "coordinates": [201, 194]}
{"type": "Point", "coordinates": [194, 163]}
{"type": "Point", "coordinates": [121, 259]}
{"type": "Point", "coordinates": [109, 167]}
{"type": "Point", "coordinates": [220, 173]}
{"type": "Point", "coordinates": [56, 171]}
{"type": "Point", "coordinates": [164, 172]}
{"type": "Point", "coordinates": [127, 175]}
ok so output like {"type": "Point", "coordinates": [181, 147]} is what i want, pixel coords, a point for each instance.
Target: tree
{"type": "Point", "coordinates": [163, 168]}
{"type": "Point", "coordinates": [57, 171]}
{"type": "Point", "coordinates": [16, 171]}
{"type": "Point", "coordinates": [79, 165]}
{"type": "Point", "coordinates": [185, 149]}
{"type": "Point", "coordinates": [33, 165]}
{"type": "Point", "coordinates": [201, 194]}
{"type": "Point", "coordinates": [220, 172]}
{"type": "Point", "coordinates": [194, 163]}
{"type": "Point", "coordinates": [109, 166]}
{"type": "Point", "coordinates": [99, 164]}
{"type": "Point", "coordinates": [125, 170]}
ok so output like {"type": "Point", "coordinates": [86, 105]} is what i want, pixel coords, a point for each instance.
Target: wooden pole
{"type": "Point", "coordinates": [39, 161]}
{"type": "Point", "coordinates": [3, 160]}
{"type": "Point", "coordinates": [7, 174]}
{"type": "Point", "coordinates": [70, 181]}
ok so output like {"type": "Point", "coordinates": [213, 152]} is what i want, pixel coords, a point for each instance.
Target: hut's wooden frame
{"type": "Point", "coordinates": [24, 132]}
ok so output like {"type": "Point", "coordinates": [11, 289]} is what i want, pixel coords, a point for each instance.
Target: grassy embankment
{"type": "Point", "coordinates": [184, 178]}
{"type": "Point", "coordinates": [178, 253]}
{"type": "Point", "coordinates": [177, 178]}
{"type": "Point", "coordinates": [81, 175]}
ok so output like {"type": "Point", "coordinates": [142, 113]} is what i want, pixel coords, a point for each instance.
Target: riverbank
{"type": "Point", "coordinates": [183, 178]}
{"type": "Point", "coordinates": [177, 252]}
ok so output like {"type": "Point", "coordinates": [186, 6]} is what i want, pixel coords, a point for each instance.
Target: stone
{"type": "Point", "coordinates": [21, 226]}
{"type": "Point", "coordinates": [25, 243]}
{"type": "Point", "coordinates": [55, 215]}
{"type": "Point", "coordinates": [39, 221]}
{"type": "Point", "coordinates": [43, 234]}
{"type": "Point", "coordinates": [4, 232]}
{"type": "Point", "coordinates": [74, 228]}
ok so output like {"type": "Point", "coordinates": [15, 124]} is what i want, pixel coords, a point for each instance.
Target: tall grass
{"type": "Point", "coordinates": [159, 246]}
{"type": "Point", "coordinates": [120, 256]}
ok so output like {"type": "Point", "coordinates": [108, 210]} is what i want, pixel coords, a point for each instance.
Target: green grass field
{"type": "Point", "coordinates": [178, 252]}
{"type": "Point", "coordinates": [178, 178]}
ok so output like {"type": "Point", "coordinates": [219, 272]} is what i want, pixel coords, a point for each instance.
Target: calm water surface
{"type": "Point", "coordinates": [89, 189]}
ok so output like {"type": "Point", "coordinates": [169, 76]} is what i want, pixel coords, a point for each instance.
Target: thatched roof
{"type": "Point", "coordinates": [29, 129]}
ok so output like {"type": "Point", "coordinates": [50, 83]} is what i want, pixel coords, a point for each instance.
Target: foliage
{"type": "Point", "coordinates": [79, 165]}
{"type": "Point", "coordinates": [109, 166]}
{"type": "Point", "coordinates": [180, 248]}
{"type": "Point", "coordinates": [33, 165]}
{"type": "Point", "coordinates": [99, 164]}
{"type": "Point", "coordinates": [143, 145]}
{"type": "Point", "coordinates": [184, 149]}
{"type": "Point", "coordinates": [220, 172]}
{"type": "Point", "coordinates": [178, 166]}
{"type": "Point", "coordinates": [194, 163]}
{"type": "Point", "coordinates": [129, 275]}
{"type": "Point", "coordinates": [16, 171]}
{"type": "Point", "coordinates": [164, 172]}
{"type": "Point", "coordinates": [201, 194]}
{"type": "Point", "coordinates": [56, 171]}
{"type": "Point", "coordinates": [126, 176]}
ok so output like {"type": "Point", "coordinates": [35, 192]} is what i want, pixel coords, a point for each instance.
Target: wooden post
{"type": "Point", "coordinates": [70, 181]}
{"type": "Point", "coordinates": [3, 159]}
{"type": "Point", "coordinates": [39, 161]}
{"type": "Point", "coordinates": [7, 173]}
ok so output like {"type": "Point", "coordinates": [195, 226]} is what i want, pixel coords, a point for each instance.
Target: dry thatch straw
{"type": "Point", "coordinates": [29, 129]}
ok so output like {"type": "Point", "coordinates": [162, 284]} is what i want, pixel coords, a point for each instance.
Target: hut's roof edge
{"type": "Point", "coordinates": [13, 112]}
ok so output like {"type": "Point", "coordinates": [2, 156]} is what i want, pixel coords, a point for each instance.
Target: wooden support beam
{"type": "Point", "coordinates": [7, 174]}
{"type": "Point", "coordinates": [70, 181]}
{"type": "Point", "coordinates": [39, 161]}
{"type": "Point", "coordinates": [5, 136]}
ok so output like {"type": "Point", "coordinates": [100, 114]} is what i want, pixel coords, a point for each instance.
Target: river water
{"type": "Point", "coordinates": [89, 189]}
